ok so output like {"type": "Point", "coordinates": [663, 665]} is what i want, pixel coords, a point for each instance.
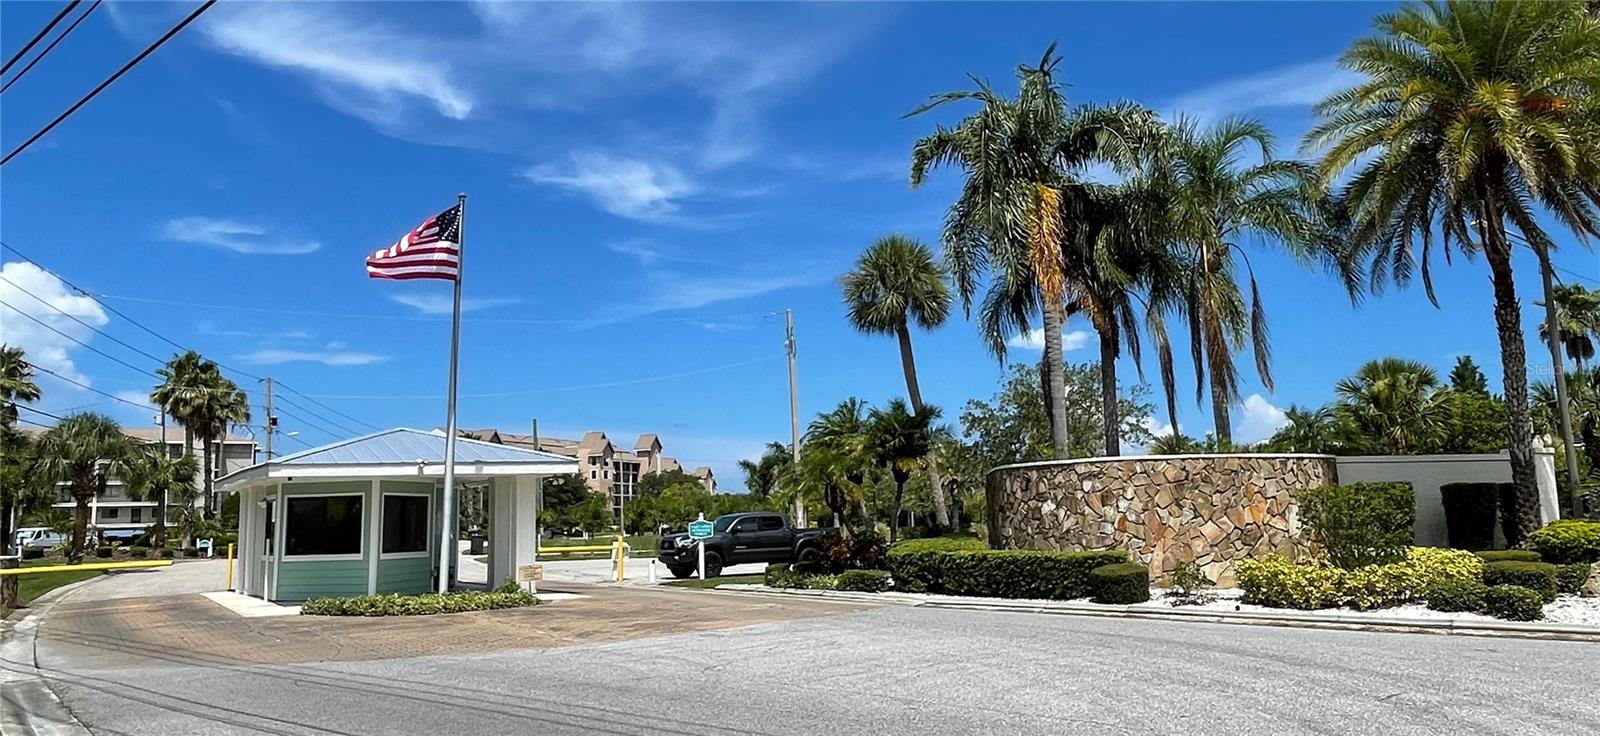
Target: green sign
{"type": "Point", "coordinates": [700, 529]}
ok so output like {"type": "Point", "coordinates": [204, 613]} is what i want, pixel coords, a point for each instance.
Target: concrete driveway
{"type": "Point", "coordinates": [182, 578]}
{"type": "Point", "coordinates": [635, 572]}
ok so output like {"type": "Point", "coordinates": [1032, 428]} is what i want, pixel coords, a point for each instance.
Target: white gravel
{"type": "Point", "coordinates": [1567, 609]}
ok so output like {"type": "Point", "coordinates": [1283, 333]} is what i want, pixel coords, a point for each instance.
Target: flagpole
{"type": "Point", "coordinates": [447, 521]}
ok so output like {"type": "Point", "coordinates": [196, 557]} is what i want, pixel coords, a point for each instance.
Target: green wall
{"type": "Point", "coordinates": [410, 574]}
{"type": "Point", "coordinates": [300, 580]}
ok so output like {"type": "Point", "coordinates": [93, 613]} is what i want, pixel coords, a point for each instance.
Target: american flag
{"type": "Point", "coordinates": [432, 251]}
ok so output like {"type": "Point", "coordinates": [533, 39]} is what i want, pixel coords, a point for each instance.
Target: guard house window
{"type": "Point", "coordinates": [405, 524]}
{"type": "Point", "coordinates": [323, 525]}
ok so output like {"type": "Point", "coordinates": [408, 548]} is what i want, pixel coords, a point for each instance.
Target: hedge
{"type": "Point", "coordinates": [138, 551]}
{"type": "Point", "coordinates": [1511, 555]}
{"type": "Point", "coordinates": [786, 576]}
{"type": "Point", "coordinates": [866, 581]}
{"type": "Point", "coordinates": [1514, 603]}
{"type": "Point", "coordinates": [1122, 582]}
{"type": "Point", "coordinates": [997, 573]}
{"type": "Point", "coordinates": [103, 552]}
{"type": "Point", "coordinates": [1361, 523]}
{"type": "Point", "coordinates": [1469, 513]}
{"type": "Point", "coordinates": [1570, 578]}
{"type": "Point", "coordinates": [1458, 596]}
{"type": "Point", "coordinates": [947, 543]}
{"type": "Point", "coordinates": [1539, 577]}
{"type": "Point", "coordinates": [1568, 541]}
{"type": "Point", "coordinates": [396, 604]}
{"type": "Point", "coordinates": [1276, 582]}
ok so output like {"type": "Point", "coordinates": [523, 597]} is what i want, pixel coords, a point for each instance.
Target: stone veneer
{"type": "Point", "coordinates": [1165, 510]}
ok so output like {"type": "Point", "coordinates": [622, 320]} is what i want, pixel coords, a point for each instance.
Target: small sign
{"type": "Point", "coordinates": [700, 529]}
{"type": "Point", "coordinates": [530, 573]}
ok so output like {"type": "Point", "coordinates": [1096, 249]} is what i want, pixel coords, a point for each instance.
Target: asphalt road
{"type": "Point", "coordinates": [887, 670]}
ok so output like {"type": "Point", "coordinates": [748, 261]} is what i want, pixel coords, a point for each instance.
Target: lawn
{"type": "Point", "coordinates": [30, 587]}
{"type": "Point", "coordinates": [714, 582]}
{"type": "Point", "coordinates": [639, 545]}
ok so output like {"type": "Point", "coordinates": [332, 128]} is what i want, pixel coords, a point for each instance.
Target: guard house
{"type": "Point", "coordinates": [363, 515]}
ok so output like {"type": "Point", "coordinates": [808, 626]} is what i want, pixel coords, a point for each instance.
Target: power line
{"type": "Point", "coordinates": [75, 318]}
{"type": "Point", "coordinates": [46, 51]}
{"type": "Point", "coordinates": [596, 321]}
{"type": "Point", "coordinates": [87, 387]}
{"type": "Point", "coordinates": [319, 417]}
{"type": "Point", "coordinates": [114, 77]}
{"type": "Point", "coordinates": [80, 343]}
{"type": "Point", "coordinates": [37, 36]}
{"type": "Point", "coordinates": [305, 423]}
{"type": "Point", "coordinates": [25, 407]}
{"type": "Point", "coordinates": [336, 412]}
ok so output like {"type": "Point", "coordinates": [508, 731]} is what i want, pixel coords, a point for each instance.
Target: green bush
{"type": "Point", "coordinates": [996, 573]}
{"type": "Point", "coordinates": [1457, 596]}
{"type": "Point", "coordinates": [1276, 582]}
{"type": "Point", "coordinates": [1361, 523]}
{"type": "Point", "coordinates": [1539, 577]}
{"type": "Point", "coordinates": [866, 581]}
{"type": "Point", "coordinates": [867, 551]}
{"type": "Point", "coordinates": [1508, 515]}
{"type": "Point", "coordinates": [33, 553]}
{"type": "Point", "coordinates": [1190, 586]}
{"type": "Point", "coordinates": [167, 553]}
{"type": "Point", "coordinates": [1122, 582]}
{"type": "Point", "coordinates": [780, 576]}
{"type": "Point", "coordinates": [1570, 578]}
{"type": "Point", "coordinates": [138, 552]}
{"type": "Point", "coordinates": [396, 604]}
{"type": "Point", "coordinates": [786, 576]}
{"type": "Point", "coordinates": [833, 550]}
{"type": "Point", "coordinates": [1513, 603]}
{"type": "Point", "coordinates": [1510, 555]}
{"type": "Point", "coordinates": [946, 543]}
{"type": "Point", "coordinates": [1568, 541]}
{"type": "Point", "coordinates": [103, 553]}
{"type": "Point", "coordinates": [1469, 513]}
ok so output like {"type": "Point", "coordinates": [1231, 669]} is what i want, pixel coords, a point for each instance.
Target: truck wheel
{"type": "Point", "coordinates": [681, 572]}
{"type": "Point", "coordinates": [713, 564]}
{"type": "Point", "coordinates": [808, 559]}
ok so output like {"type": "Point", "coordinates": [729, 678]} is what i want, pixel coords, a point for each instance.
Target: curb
{"type": "Point", "coordinates": [1564, 632]}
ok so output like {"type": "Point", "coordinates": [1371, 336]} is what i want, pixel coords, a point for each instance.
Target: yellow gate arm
{"type": "Point", "coordinates": [87, 566]}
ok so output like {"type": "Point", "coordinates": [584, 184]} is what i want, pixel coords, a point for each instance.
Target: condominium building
{"type": "Point", "coordinates": [114, 509]}
{"type": "Point", "coordinates": [606, 467]}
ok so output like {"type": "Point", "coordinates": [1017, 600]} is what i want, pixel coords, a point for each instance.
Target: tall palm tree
{"type": "Point", "coordinates": [224, 406]}
{"type": "Point", "coordinates": [154, 474]}
{"type": "Point", "coordinates": [183, 391]}
{"type": "Point", "coordinates": [1471, 116]}
{"type": "Point", "coordinates": [761, 475]}
{"type": "Point", "coordinates": [79, 452]}
{"type": "Point", "coordinates": [1307, 430]}
{"type": "Point", "coordinates": [16, 383]}
{"type": "Point", "coordinates": [1219, 201]}
{"type": "Point", "coordinates": [822, 475]}
{"type": "Point", "coordinates": [1395, 406]}
{"type": "Point", "coordinates": [1022, 158]}
{"type": "Point", "coordinates": [1577, 321]}
{"type": "Point", "coordinates": [898, 281]}
{"type": "Point", "coordinates": [900, 438]}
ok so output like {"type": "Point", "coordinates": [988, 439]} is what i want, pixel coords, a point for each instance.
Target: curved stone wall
{"type": "Point", "coordinates": [1165, 510]}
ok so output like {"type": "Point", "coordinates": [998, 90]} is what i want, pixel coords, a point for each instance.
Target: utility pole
{"type": "Point", "coordinates": [794, 411]}
{"type": "Point", "coordinates": [1553, 338]}
{"type": "Point", "coordinates": [272, 421]}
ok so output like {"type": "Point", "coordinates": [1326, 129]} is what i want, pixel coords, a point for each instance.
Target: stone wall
{"type": "Point", "coordinates": [1165, 510]}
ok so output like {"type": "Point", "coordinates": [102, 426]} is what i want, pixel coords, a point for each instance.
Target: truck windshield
{"type": "Point", "coordinates": [723, 522]}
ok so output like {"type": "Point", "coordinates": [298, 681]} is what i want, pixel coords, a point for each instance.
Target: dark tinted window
{"type": "Point", "coordinates": [771, 523]}
{"type": "Point", "coordinates": [746, 525]}
{"type": "Point", "coordinates": [405, 524]}
{"type": "Point", "coordinates": [323, 525]}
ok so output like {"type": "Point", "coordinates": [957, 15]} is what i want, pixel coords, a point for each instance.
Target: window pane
{"type": "Point", "coordinates": [405, 524]}
{"type": "Point", "coordinates": [771, 523]}
{"type": "Point", "coordinates": [323, 525]}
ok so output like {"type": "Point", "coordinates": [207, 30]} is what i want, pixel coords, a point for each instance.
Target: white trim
{"type": "Point", "coordinates": [373, 523]}
{"type": "Point", "coordinates": [279, 509]}
{"type": "Point", "coordinates": [276, 470]}
{"type": "Point", "coordinates": [427, 550]}
{"type": "Point", "coordinates": [362, 542]}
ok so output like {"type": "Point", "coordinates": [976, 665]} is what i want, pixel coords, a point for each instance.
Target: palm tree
{"type": "Point", "coordinates": [1471, 115]}
{"type": "Point", "coordinates": [1218, 202]}
{"type": "Point", "coordinates": [1175, 444]}
{"type": "Point", "coordinates": [1021, 157]}
{"type": "Point", "coordinates": [79, 452]}
{"type": "Point", "coordinates": [16, 383]}
{"type": "Point", "coordinates": [1394, 406]}
{"type": "Point", "coordinates": [154, 474]}
{"type": "Point", "coordinates": [822, 476]}
{"type": "Point", "coordinates": [761, 475]}
{"type": "Point", "coordinates": [900, 438]}
{"type": "Point", "coordinates": [1307, 430]}
{"type": "Point", "coordinates": [898, 281]}
{"type": "Point", "coordinates": [224, 405]}
{"type": "Point", "coordinates": [1577, 319]}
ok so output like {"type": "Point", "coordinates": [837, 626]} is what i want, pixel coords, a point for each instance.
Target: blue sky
{"type": "Point", "coordinates": [648, 185]}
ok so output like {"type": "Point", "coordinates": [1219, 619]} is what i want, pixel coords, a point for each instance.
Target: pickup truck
{"type": "Point", "coordinates": [739, 539]}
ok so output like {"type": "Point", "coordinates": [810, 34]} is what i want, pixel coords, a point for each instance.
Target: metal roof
{"type": "Point", "coordinates": [407, 446]}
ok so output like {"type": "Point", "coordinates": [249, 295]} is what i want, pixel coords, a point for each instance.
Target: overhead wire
{"type": "Point", "coordinates": [37, 37]}
{"type": "Point", "coordinates": [52, 45]}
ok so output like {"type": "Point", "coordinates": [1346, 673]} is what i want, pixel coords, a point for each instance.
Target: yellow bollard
{"type": "Point", "coordinates": [230, 567]}
{"type": "Point", "coordinates": [617, 550]}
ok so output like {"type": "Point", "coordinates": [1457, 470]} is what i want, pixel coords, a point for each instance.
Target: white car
{"type": "Point", "coordinates": [38, 537]}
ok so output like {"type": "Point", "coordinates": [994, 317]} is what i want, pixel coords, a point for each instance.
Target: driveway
{"type": "Point", "coordinates": [635, 572]}
{"type": "Point", "coordinates": [182, 578]}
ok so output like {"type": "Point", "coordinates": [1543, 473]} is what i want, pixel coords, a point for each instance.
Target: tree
{"type": "Point", "coordinates": [1467, 377]}
{"type": "Point", "coordinates": [1012, 426]}
{"type": "Point", "coordinates": [79, 452]}
{"type": "Point", "coordinates": [820, 478]}
{"type": "Point", "coordinates": [1176, 444]}
{"type": "Point", "coordinates": [17, 492]}
{"type": "Point", "coordinates": [655, 484]}
{"type": "Point", "coordinates": [16, 383]}
{"type": "Point", "coordinates": [1471, 115]}
{"type": "Point", "coordinates": [761, 475]}
{"type": "Point", "coordinates": [225, 405]}
{"type": "Point", "coordinates": [898, 281]}
{"type": "Point", "coordinates": [1577, 319]}
{"type": "Point", "coordinates": [901, 438]}
{"type": "Point", "coordinates": [1217, 203]}
{"type": "Point", "coordinates": [1476, 423]}
{"type": "Point", "coordinates": [1308, 430]}
{"type": "Point", "coordinates": [1395, 407]}
{"type": "Point", "coordinates": [154, 474]}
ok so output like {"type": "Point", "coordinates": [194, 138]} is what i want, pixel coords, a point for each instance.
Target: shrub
{"type": "Point", "coordinates": [1469, 513]}
{"type": "Point", "coordinates": [1439, 566]}
{"type": "Point", "coordinates": [1539, 577]}
{"type": "Point", "coordinates": [1513, 603]}
{"type": "Point", "coordinates": [946, 543]}
{"type": "Point", "coordinates": [395, 604]}
{"type": "Point", "coordinates": [138, 552]}
{"type": "Point", "coordinates": [33, 553]}
{"type": "Point", "coordinates": [166, 553]}
{"type": "Point", "coordinates": [191, 552]}
{"type": "Point", "coordinates": [868, 550]}
{"type": "Point", "coordinates": [1456, 596]}
{"type": "Point", "coordinates": [1380, 586]}
{"type": "Point", "coordinates": [780, 576]}
{"type": "Point", "coordinates": [1568, 541]}
{"type": "Point", "coordinates": [103, 553]}
{"type": "Point", "coordinates": [1510, 555]}
{"type": "Point", "coordinates": [833, 551]}
{"type": "Point", "coordinates": [786, 576]}
{"type": "Point", "coordinates": [1122, 582]}
{"type": "Point", "coordinates": [1570, 578]}
{"type": "Point", "coordinates": [866, 581]}
{"type": "Point", "coordinates": [1190, 586]}
{"type": "Point", "coordinates": [1275, 581]}
{"type": "Point", "coordinates": [996, 573]}
{"type": "Point", "coordinates": [1362, 523]}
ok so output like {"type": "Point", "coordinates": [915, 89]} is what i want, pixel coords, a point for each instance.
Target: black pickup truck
{"type": "Point", "coordinates": [738, 539]}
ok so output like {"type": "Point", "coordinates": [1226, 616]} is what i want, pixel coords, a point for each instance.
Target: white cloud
{"type": "Point", "coordinates": [138, 397]}
{"type": "Point", "coordinates": [43, 347]}
{"type": "Point", "coordinates": [1034, 340]}
{"type": "Point", "coordinates": [438, 303]}
{"type": "Point", "coordinates": [641, 248]}
{"type": "Point", "coordinates": [625, 187]}
{"type": "Point", "coordinates": [333, 356]}
{"type": "Point", "coordinates": [1298, 85]}
{"type": "Point", "coordinates": [239, 237]}
{"type": "Point", "coordinates": [1258, 420]}
{"type": "Point", "coordinates": [682, 292]}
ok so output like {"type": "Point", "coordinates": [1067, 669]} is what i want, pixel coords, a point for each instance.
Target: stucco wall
{"type": "Point", "coordinates": [1211, 509]}
{"type": "Point", "coordinates": [1426, 473]}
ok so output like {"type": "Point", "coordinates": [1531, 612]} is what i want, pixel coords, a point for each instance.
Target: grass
{"type": "Point", "coordinates": [714, 582]}
{"type": "Point", "coordinates": [639, 545]}
{"type": "Point", "coordinates": [30, 587]}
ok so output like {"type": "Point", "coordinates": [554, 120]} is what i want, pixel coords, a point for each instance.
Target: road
{"type": "Point", "coordinates": [852, 670]}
